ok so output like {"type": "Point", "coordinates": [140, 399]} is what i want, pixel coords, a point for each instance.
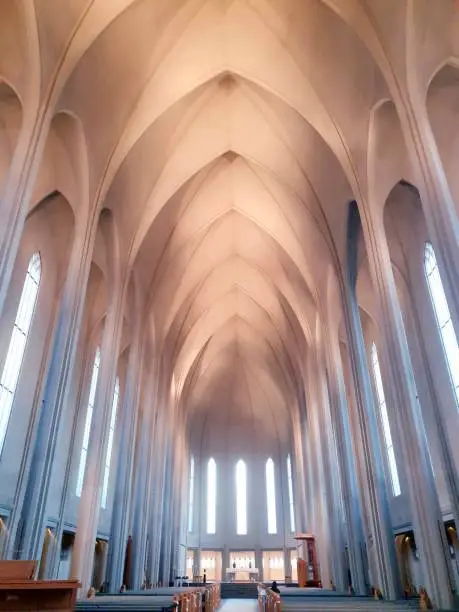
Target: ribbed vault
{"type": "Point", "coordinates": [226, 137]}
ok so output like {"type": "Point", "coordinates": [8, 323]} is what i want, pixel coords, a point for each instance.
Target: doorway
{"type": "Point", "coordinates": [273, 565]}
{"type": "Point", "coordinates": [211, 562]}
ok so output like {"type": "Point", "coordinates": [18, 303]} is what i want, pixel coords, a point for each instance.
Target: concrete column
{"type": "Point", "coordinates": [89, 507]}
{"type": "Point", "coordinates": [180, 505]}
{"type": "Point", "coordinates": [139, 532]}
{"type": "Point", "coordinates": [225, 563]}
{"type": "Point", "coordinates": [156, 492]}
{"type": "Point", "coordinates": [297, 458]}
{"type": "Point", "coordinates": [121, 504]}
{"type": "Point", "coordinates": [430, 402]}
{"type": "Point", "coordinates": [347, 469]}
{"type": "Point", "coordinates": [329, 534]}
{"type": "Point", "coordinates": [334, 493]}
{"type": "Point", "coordinates": [197, 562]}
{"type": "Point", "coordinates": [385, 570]}
{"type": "Point", "coordinates": [166, 518]}
{"type": "Point", "coordinates": [31, 495]}
{"type": "Point", "coordinates": [359, 461]}
{"type": "Point", "coordinates": [404, 413]}
{"type": "Point", "coordinates": [309, 475]}
{"type": "Point", "coordinates": [258, 562]}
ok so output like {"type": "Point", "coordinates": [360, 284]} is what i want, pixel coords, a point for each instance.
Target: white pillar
{"type": "Point", "coordinates": [89, 507]}
{"type": "Point", "coordinates": [381, 546]}
{"type": "Point", "coordinates": [347, 468]}
{"type": "Point", "coordinates": [40, 453]}
{"type": "Point", "coordinates": [404, 413]}
{"type": "Point", "coordinates": [124, 474]}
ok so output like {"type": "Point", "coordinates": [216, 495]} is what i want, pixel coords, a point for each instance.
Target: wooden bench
{"type": "Point", "coordinates": [18, 591]}
{"type": "Point", "coordinates": [115, 603]}
{"type": "Point", "coordinates": [187, 599]}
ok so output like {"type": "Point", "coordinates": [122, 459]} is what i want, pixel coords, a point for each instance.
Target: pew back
{"type": "Point", "coordinates": [17, 570]}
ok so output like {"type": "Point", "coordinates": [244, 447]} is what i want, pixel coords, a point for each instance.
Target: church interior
{"type": "Point", "coordinates": [229, 299]}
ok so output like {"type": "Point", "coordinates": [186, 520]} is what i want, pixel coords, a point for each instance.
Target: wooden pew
{"type": "Point", "coordinates": [273, 601]}
{"type": "Point", "coordinates": [204, 598]}
{"type": "Point", "coordinates": [115, 603]}
{"type": "Point", "coordinates": [19, 592]}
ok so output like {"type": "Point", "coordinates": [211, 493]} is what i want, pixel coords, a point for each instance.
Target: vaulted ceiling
{"type": "Point", "coordinates": [226, 137]}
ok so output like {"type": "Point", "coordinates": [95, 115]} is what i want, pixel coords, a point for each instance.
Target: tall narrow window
{"type": "Point", "coordinates": [290, 494]}
{"type": "Point", "coordinates": [211, 496]}
{"type": "Point", "coordinates": [191, 496]}
{"type": "Point", "coordinates": [271, 496]}
{"type": "Point", "coordinates": [111, 433]}
{"type": "Point", "coordinates": [443, 315]}
{"type": "Point", "coordinates": [87, 425]}
{"type": "Point", "coordinates": [241, 498]}
{"type": "Point", "coordinates": [18, 341]}
{"type": "Point", "coordinates": [385, 423]}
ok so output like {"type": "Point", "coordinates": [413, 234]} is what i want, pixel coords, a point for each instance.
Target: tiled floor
{"type": "Point", "coordinates": [239, 605]}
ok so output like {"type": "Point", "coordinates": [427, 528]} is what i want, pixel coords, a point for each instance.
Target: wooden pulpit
{"type": "Point", "coordinates": [307, 567]}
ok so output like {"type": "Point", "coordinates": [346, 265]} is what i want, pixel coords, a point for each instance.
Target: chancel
{"type": "Point", "coordinates": [229, 302]}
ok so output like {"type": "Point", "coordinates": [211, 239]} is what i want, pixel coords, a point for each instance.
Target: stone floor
{"type": "Point", "coordinates": [239, 605]}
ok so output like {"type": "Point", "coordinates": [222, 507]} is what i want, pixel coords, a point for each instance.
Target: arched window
{"type": "Point", "coordinates": [442, 314]}
{"type": "Point", "coordinates": [18, 341]}
{"type": "Point", "coordinates": [87, 425]}
{"type": "Point", "coordinates": [211, 496]}
{"type": "Point", "coordinates": [111, 433]}
{"type": "Point", "coordinates": [271, 496]}
{"type": "Point", "coordinates": [385, 423]}
{"type": "Point", "coordinates": [290, 494]}
{"type": "Point", "coordinates": [241, 498]}
{"type": "Point", "coordinates": [191, 496]}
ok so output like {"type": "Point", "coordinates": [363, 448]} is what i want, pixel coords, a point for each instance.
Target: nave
{"type": "Point", "coordinates": [229, 293]}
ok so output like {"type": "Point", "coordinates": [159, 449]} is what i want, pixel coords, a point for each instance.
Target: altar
{"type": "Point", "coordinates": [241, 574]}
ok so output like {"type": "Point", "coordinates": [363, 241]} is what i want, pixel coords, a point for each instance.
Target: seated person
{"type": "Point", "coordinates": [274, 587]}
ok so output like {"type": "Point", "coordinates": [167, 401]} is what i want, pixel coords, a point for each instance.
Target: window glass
{"type": "Point", "coordinates": [211, 496]}
{"type": "Point", "coordinates": [271, 496]}
{"type": "Point", "coordinates": [290, 494]}
{"type": "Point", "coordinates": [241, 498]}
{"type": "Point", "coordinates": [442, 315]}
{"type": "Point", "coordinates": [385, 423]}
{"type": "Point", "coordinates": [111, 433]}
{"type": "Point", "coordinates": [18, 341]}
{"type": "Point", "coordinates": [191, 496]}
{"type": "Point", "coordinates": [87, 425]}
